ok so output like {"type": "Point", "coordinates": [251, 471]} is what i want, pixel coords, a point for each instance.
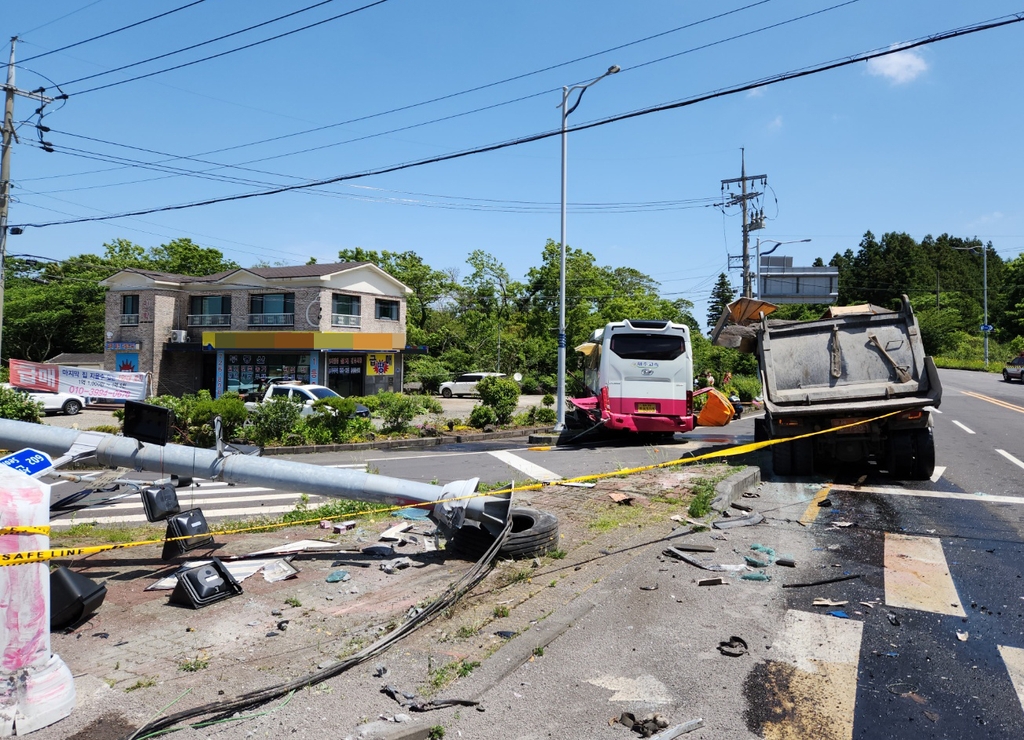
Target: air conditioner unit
{"type": "Point", "coordinates": [179, 335]}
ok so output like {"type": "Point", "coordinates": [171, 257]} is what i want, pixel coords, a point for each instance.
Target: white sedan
{"type": "Point", "coordinates": [54, 403]}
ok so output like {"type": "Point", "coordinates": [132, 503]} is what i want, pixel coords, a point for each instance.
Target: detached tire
{"type": "Point", "coordinates": [534, 533]}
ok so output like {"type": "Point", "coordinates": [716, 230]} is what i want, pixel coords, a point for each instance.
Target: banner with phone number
{"type": "Point", "coordinates": [81, 381]}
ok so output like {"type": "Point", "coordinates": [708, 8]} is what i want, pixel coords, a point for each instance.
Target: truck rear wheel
{"type": "Point", "coordinates": [901, 455]}
{"type": "Point", "coordinates": [782, 458]}
{"type": "Point", "coordinates": [924, 454]}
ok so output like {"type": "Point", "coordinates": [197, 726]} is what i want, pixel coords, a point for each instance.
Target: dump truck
{"type": "Point", "coordinates": [842, 371]}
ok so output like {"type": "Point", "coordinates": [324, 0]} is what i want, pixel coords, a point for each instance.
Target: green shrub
{"type": "Point", "coordinates": [105, 429]}
{"type": "Point", "coordinates": [548, 400]}
{"type": "Point", "coordinates": [273, 420]}
{"type": "Point", "coordinates": [746, 387]}
{"type": "Point", "coordinates": [544, 416]}
{"type": "Point", "coordinates": [194, 414]}
{"type": "Point", "coordinates": [396, 410]}
{"type": "Point", "coordinates": [482, 416]}
{"type": "Point", "coordinates": [17, 405]}
{"type": "Point", "coordinates": [431, 405]}
{"type": "Point", "coordinates": [426, 370]}
{"type": "Point", "coordinates": [500, 394]}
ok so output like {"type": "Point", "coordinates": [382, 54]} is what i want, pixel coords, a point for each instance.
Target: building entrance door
{"type": "Point", "coordinates": [345, 375]}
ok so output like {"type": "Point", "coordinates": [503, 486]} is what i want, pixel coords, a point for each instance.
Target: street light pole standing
{"type": "Point", "coordinates": [778, 244]}
{"type": "Point", "coordinates": [985, 329]}
{"type": "Point", "coordinates": [566, 93]}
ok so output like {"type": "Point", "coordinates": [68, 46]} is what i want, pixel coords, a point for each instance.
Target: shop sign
{"type": "Point", "coordinates": [380, 364]}
{"type": "Point", "coordinates": [124, 346]}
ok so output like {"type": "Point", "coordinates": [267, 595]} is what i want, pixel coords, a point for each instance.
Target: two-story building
{"type": "Point", "coordinates": [341, 325]}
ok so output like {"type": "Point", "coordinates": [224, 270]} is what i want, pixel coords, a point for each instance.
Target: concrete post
{"type": "Point", "coordinates": [36, 687]}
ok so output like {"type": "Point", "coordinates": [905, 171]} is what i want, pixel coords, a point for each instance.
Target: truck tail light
{"type": "Point", "coordinates": [912, 414]}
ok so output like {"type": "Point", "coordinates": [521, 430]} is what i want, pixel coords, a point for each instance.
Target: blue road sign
{"type": "Point", "coordinates": [987, 327]}
{"type": "Point", "coordinates": [28, 461]}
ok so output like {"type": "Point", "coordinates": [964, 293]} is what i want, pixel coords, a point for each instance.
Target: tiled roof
{"type": "Point", "coordinates": [72, 358]}
{"type": "Point", "coordinates": [267, 273]}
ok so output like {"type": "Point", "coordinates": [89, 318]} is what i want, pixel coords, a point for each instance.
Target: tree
{"type": "Point", "coordinates": [721, 295]}
{"type": "Point", "coordinates": [428, 285]}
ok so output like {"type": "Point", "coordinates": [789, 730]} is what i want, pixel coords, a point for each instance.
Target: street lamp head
{"type": "Point", "coordinates": [613, 69]}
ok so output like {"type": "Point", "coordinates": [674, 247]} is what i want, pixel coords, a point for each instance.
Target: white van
{"type": "Point", "coordinates": [465, 384]}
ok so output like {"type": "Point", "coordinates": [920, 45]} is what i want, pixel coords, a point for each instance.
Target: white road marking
{"type": "Point", "coordinates": [357, 466]}
{"type": "Point", "coordinates": [191, 503]}
{"type": "Point", "coordinates": [969, 431]}
{"type": "Point", "coordinates": [132, 518]}
{"type": "Point", "coordinates": [917, 576]}
{"type": "Point", "coordinates": [939, 470]}
{"type": "Point", "coordinates": [646, 689]}
{"type": "Point", "coordinates": [1011, 458]}
{"type": "Point", "coordinates": [822, 691]}
{"type": "Point", "coordinates": [536, 472]}
{"type": "Point", "coordinates": [1013, 657]}
{"type": "Point", "coordinates": [986, 497]}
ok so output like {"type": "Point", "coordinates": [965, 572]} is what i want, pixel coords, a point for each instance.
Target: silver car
{"type": "Point", "coordinates": [1014, 370]}
{"type": "Point", "coordinates": [54, 403]}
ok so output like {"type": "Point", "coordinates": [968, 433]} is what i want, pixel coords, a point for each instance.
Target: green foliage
{"type": "Point", "coordinates": [948, 362]}
{"type": "Point", "coordinates": [396, 410]}
{"type": "Point", "coordinates": [721, 295]}
{"type": "Point", "coordinates": [429, 371]}
{"type": "Point", "coordinates": [17, 405]}
{"type": "Point", "coordinates": [272, 420]}
{"type": "Point", "coordinates": [194, 413]}
{"type": "Point", "coordinates": [332, 421]}
{"type": "Point", "coordinates": [746, 387]}
{"type": "Point", "coordinates": [548, 400]}
{"type": "Point", "coordinates": [482, 416]}
{"type": "Point", "coordinates": [431, 405]}
{"type": "Point", "coordinates": [703, 494]}
{"type": "Point", "coordinates": [501, 394]}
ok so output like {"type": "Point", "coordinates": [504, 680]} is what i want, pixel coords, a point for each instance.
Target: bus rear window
{"type": "Point", "coordinates": [647, 346]}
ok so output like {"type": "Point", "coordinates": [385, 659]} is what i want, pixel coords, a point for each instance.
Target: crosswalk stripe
{"type": "Point", "coordinates": [885, 490]}
{"type": "Point", "coordinates": [134, 518]}
{"type": "Point", "coordinates": [534, 471]}
{"type": "Point", "coordinates": [812, 676]}
{"type": "Point", "coordinates": [917, 576]}
{"type": "Point", "coordinates": [1013, 658]}
{"type": "Point", "coordinates": [191, 503]}
{"type": "Point", "coordinates": [937, 473]}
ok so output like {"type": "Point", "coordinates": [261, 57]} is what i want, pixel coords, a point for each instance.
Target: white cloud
{"type": "Point", "coordinates": [775, 124]}
{"type": "Point", "coordinates": [757, 92]}
{"type": "Point", "coordinates": [900, 68]}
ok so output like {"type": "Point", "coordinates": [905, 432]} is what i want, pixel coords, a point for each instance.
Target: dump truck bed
{"type": "Point", "coordinates": [857, 363]}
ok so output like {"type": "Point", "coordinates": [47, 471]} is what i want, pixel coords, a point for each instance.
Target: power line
{"type": "Point", "coordinates": [110, 33]}
{"type": "Point", "coordinates": [745, 87]}
{"type": "Point", "coordinates": [223, 53]}
{"type": "Point", "coordinates": [66, 15]}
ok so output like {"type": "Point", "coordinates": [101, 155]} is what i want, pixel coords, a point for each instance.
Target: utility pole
{"type": "Point", "coordinates": [749, 223]}
{"type": "Point", "coordinates": [9, 137]}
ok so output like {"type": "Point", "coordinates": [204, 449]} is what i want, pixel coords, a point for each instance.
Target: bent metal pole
{"type": "Point", "coordinates": [449, 511]}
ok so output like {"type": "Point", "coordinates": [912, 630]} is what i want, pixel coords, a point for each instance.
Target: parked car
{"type": "Point", "coordinates": [306, 394]}
{"type": "Point", "coordinates": [1014, 370]}
{"type": "Point", "coordinates": [54, 403]}
{"type": "Point", "coordinates": [465, 384]}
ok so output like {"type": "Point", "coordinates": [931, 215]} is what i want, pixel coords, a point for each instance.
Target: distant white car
{"type": "Point", "coordinates": [303, 393]}
{"type": "Point", "coordinates": [54, 403]}
{"type": "Point", "coordinates": [465, 384]}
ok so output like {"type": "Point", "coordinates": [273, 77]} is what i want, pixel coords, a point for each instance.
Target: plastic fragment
{"type": "Point", "coordinates": [839, 613]}
{"type": "Point", "coordinates": [756, 576]}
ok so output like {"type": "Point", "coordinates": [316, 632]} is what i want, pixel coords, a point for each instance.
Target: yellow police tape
{"type": "Point", "coordinates": [41, 529]}
{"type": "Point", "coordinates": [38, 556]}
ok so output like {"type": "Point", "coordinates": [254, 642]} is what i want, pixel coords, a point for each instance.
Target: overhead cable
{"type": "Point", "coordinates": [745, 87]}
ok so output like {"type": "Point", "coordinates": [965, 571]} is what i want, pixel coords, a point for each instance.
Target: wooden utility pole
{"type": "Point", "coordinates": [749, 224]}
{"type": "Point", "coordinates": [9, 137]}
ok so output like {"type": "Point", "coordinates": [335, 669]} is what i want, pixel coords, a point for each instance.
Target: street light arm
{"type": "Point", "coordinates": [614, 69]}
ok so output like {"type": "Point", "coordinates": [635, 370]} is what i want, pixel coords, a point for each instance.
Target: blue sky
{"type": "Point", "coordinates": [925, 142]}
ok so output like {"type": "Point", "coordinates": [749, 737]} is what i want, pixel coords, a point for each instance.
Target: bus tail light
{"type": "Point", "coordinates": [689, 403]}
{"type": "Point", "coordinates": [606, 404]}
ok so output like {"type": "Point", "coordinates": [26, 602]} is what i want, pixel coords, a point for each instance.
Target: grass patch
{"type": "Point", "coordinates": [466, 631]}
{"type": "Point", "coordinates": [336, 509]}
{"type": "Point", "coordinates": [538, 651]}
{"type": "Point", "coordinates": [510, 576]}
{"type": "Point", "coordinates": [195, 664]}
{"type": "Point", "coordinates": [703, 494]}
{"type": "Point", "coordinates": [501, 611]}
{"type": "Point", "coordinates": [443, 675]}
{"type": "Point", "coordinates": [435, 733]}
{"type": "Point", "coordinates": [142, 683]}
{"type": "Point", "coordinates": [610, 519]}
{"type": "Point", "coordinates": [292, 601]}
{"type": "Point", "coordinates": [105, 533]}
{"type": "Point", "coordinates": [953, 364]}
{"type": "Point", "coordinates": [557, 554]}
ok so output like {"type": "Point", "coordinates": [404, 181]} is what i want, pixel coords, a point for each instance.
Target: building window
{"type": "Point", "coordinates": [272, 309]}
{"type": "Point", "coordinates": [129, 310]}
{"type": "Point", "coordinates": [387, 310]}
{"type": "Point", "coordinates": [209, 310]}
{"type": "Point", "coordinates": [344, 310]}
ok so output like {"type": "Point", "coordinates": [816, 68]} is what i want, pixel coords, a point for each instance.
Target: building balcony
{"type": "Point", "coordinates": [344, 319]}
{"type": "Point", "coordinates": [209, 319]}
{"type": "Point", "coordinates": [129, 319]}
{"type": "Point", "coordinates": [271, 319]}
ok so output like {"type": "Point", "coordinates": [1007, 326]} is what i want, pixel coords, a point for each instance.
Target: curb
{"type": "Point", "coordinates": [400, 444]}
{"type": "Point", "coordinates": [732, 488]}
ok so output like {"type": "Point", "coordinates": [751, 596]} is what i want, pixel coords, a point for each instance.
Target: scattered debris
{"type": "Point", "coordinates": [394, 534]}
{"type": "Point", "coordinates": [694, 548]}
{"type": "Point", "coordinates": [379, 551]}
{"type": "Point", "coordinates": [838, 614]}
{"type": "Point", "coordinates": [734, 647]}
{"type": "Point", "coordinates": [646, 727]}
{"type": "Point", "coordinates": [283, 625]}
{"type": "Point", "coordinates": [756, 576]}
{"type": "Point", "coordinates": [962, 636]}
{"type": "Point", "coordinates": [649, 588]}
{"type": "Point", "coordinates": [397, 564]}
{"type": "Point", "coordinates": [713, 582]}
{"type": "Point", "coordinates": [673, 732]}
{"type": "Point", "coordinates": [577, 485]}
{"type": "Point", "coordinates": [408, 701]}
{"type": "Point", "coordinates": [755, 563]}
{"type": "Point", "coordinates": [326, 524]}
{"type": "Point", "coordinates": [755, 517]}
{"type": "Point", "coordinates": [621, 498]}
{"type": "Point", "coordinates": [741, 507]}
{"type": "Point", "coordinates": [350, 564]}
{"type": "Point", "coordinates": [842, 524]}
{"type": "Point", "coordinates": [893, 619]}
{"type": "Point", "coordinates": [825, 503]}
{"type": "Point", "coordinates": [279, 570]}
{"type": "Point", "coordinates": [505, 634]}
{"type": "Point", "coordinates": [751, 494]}
{"type": "Point", "coordinates": [727, 568]}
{"type": "Point", "coordinates": [292, 548]}
{"type": "Point", "coordinates": [786, 562]}
{"type": "Point", "coordinates": [239, 570]}
{"type": "Point", "coordinates": [411, 513]}
{"type": "Point", "coordinates": [822, 582]}
{"type": "Point", "coordinates": [829, 602]}
{"type": "Point", "coordinates": [933, 716]}
{"type": "Point", "coordinates": [380, 671]}
{"type": "Point", "coordinates": [338, 576]}
{"type": "Point", "coordinates": [868, 604]}
{"type": "Point", "coordinates": [344, 526]}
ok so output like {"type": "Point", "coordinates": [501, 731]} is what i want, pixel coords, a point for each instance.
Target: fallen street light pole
{"type": "Point", "coordinates": [453, 503]}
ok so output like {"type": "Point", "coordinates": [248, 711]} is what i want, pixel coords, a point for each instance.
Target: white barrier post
{"type": "Point", "coordinates": [36, 687]}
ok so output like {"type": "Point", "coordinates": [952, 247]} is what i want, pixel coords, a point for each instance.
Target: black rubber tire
{"type": "Point", "coordinates": [446, 392]}
{"type": "Point", "coordinates": [760, 430]}
{"type": "Point", "coordinates": [782, 458]}
{"type": "Point", "coordinates": [803, 456]}
{"type": "Point", "coordinates": [924, 454]}
{"type": "Point", "coordinates": [71, 407]}
{"type": "Point", "coordinates": [900, 460]}
{"type": "Point", "coordinates": [1006, 377]}
{"type": "Point", "coordinates": [534, 533]}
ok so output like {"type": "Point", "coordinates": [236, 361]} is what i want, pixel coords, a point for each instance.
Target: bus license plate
{"type": "Point", "coordinates": [857, 429]}
{"type": "Point", "coordinates": [646, 408]}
